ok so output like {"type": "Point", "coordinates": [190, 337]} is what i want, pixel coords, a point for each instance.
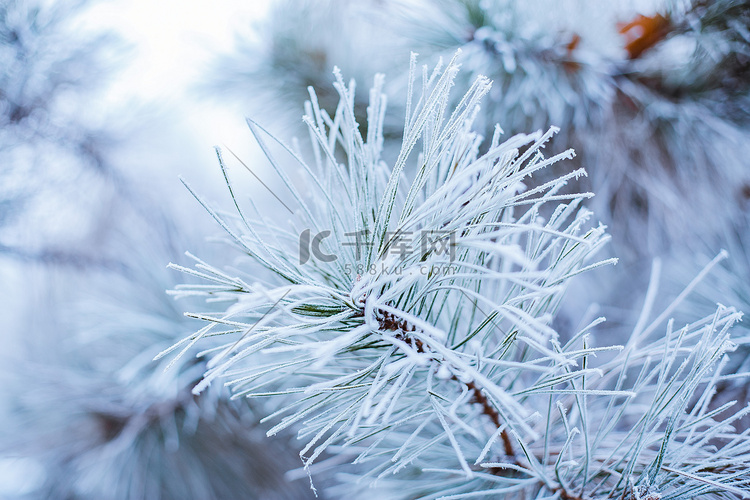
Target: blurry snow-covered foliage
{"type": "Point", "coordinates": [652, 99]}
{"type": "Point", "coordinates": [718, 71]}
{"type": "Point", "coordinates": [296, 47]}
{"type": "Point", "coordinates": [53, 138]}
{"type": "Point", "coordinates": [99, 418]}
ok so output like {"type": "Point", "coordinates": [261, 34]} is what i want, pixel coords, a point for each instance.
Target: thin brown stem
{"type": "Point", "coordinates": [390, 322]}
{"type": "Point", "coordinates": [491, 412]}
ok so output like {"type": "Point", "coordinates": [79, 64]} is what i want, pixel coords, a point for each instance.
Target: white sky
{"type": "Point", "coordinates": [172, 43]}
{"type": "Point", "coordinates": [173, 38]}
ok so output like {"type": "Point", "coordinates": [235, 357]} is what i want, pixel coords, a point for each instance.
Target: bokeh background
{"type": "Point", "coordinates": [103, 104]}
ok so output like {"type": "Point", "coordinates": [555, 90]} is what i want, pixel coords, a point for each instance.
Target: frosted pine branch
{"type": "Point", "coordinates": [406, 319]}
